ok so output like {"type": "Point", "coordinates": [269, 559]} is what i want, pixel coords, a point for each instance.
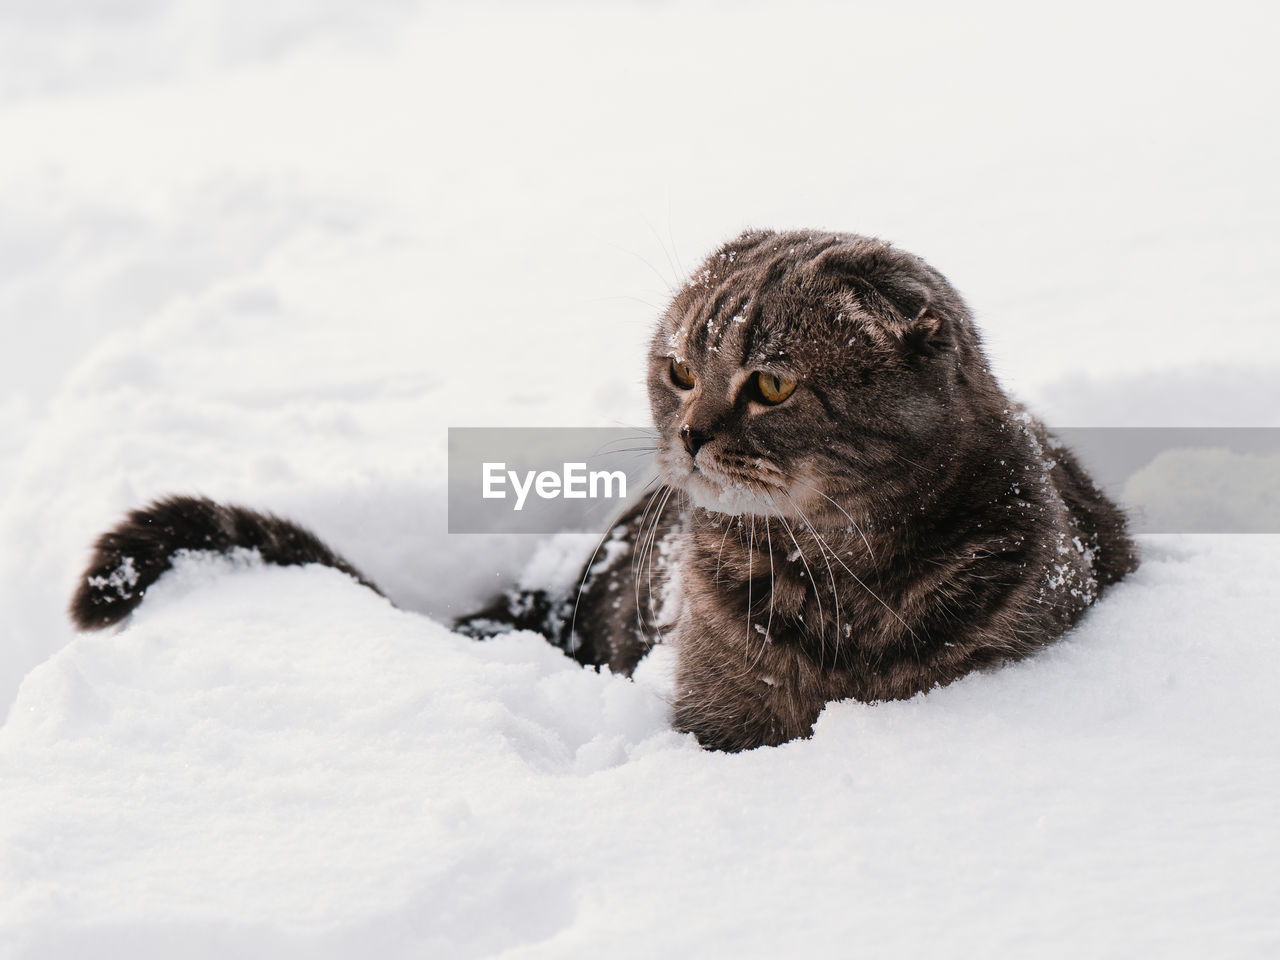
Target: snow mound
{"type": "Point", "coordinates": [277, 762]}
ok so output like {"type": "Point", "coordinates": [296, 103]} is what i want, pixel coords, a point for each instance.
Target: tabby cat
{"type": "Point", "coordinates": [850, 507]}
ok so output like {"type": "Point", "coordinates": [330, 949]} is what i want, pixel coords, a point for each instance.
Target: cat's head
{"type": "Point", "coordinates": [795, 373]}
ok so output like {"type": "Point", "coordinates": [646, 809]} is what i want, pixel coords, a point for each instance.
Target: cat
{"type": "Point", "coordinates": [850, 505]}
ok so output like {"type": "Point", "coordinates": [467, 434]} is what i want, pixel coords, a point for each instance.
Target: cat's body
{"type": "Point", "coordinates": [852, 507]}
{"type": "Point", "coordinates": [893, 523]}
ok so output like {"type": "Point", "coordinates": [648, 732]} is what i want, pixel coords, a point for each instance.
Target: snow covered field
{"type": "Point", "coordinates": [270, 252]}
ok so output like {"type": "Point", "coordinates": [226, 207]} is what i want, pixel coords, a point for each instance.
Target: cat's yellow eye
{"type": "Point", "coordinates": [774, 389]}
{"type": "Point", "coordinates": [681, 374]}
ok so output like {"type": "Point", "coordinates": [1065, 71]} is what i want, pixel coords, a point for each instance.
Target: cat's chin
{"type": "Point", "coordinates": [733, 499]}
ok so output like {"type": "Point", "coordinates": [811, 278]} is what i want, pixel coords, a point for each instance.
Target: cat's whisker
{"type": "Point", "coordinates": [769, 625]}
{"type": "Point", "coordinates": [873, 497]}
{"type": "Point", "coordinates": [918, 466]}
{"type": "Point", "coordinates": [672, 237]}
{"type": "Point", "coordinates": [870, 552]}
{"type": "Point", "coordinates": [751, 536]}
{"type": "Point", "coordinates": [586, 573]}
{"type": "Point", "coordinates": [637, 443]}
{"type": "Point", "coordinates": [640, 528]}
{"type": "Point", "coordinates": [649, 610]}
{"type": "Point", "coordinates": [653, 533]}
{"type": "Point", "coordinates": [641, 431]}
{"type": "Point", "coordinates": [876, 596]}
{"type": "Point", "coordinates": [765, 640]}
{"type": "Point", "coordinates": [822, 549]}
{"type": "Point", "coordinates": [648, 524]}
{"type": "Point", "coordinates": [728, 524]}
{"type": "Point", "coordinates": [671, 287]}
{"type": "Point", "coordinates": [822, 620]}
{"type": "Point", "coordinates": [649, 440]}
{"type": "Point", "coordinates": [632, 454]}
{"type": "Point", "coordinates": [652, 306]}
{"type": "Point", "coordinates": [656, 523]}
{"type": "Point", "coordinates": [637, 559]}
{"type": "Point", "coordinates": [656, 272]}
{"type": "Point", "coordinates": [637, 564]}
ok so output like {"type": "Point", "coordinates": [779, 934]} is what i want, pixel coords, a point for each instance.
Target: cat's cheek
{"type": "Point", "coordinates": [813, 494]}
{"type": "Point", "coordinates": [663, 403]}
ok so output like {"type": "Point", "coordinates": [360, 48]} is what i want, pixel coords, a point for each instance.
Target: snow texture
{"type": "Point", "coordinates": [270, 252]}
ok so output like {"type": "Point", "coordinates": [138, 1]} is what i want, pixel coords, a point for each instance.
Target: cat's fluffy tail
{"type": "Point", "coordinates": [130, 558]}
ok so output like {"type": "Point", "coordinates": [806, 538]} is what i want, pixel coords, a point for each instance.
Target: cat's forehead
{"type": "Point", "coordinates": [731, 314]}
{"type": "Point", "coordinates": [747, 334]}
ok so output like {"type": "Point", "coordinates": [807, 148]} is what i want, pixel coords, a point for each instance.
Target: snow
{"type": "Point", "coordinates": [270, 253]}
{"type": "Point", "coordinates": [241, 778]}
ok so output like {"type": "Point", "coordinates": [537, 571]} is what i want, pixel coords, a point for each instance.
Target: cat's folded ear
{"type": "Point", "coordinates": [928, 333]}
{"type": "Point", "coordinates": [894, 287]}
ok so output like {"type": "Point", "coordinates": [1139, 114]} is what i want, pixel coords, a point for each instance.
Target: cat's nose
{"type": "Point", "coordinates": [693, 439]}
